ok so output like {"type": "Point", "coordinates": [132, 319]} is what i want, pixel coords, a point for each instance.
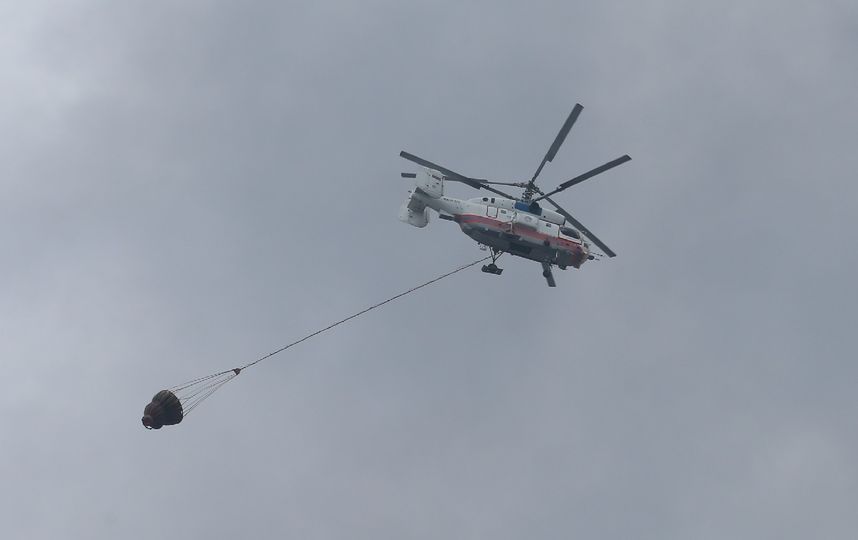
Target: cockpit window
{"type": "Point", "coordinates": [566, 231]}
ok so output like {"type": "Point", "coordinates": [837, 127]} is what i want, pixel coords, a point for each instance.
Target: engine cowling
{"type": "Point", "coordinates": [526, 220]}
{"type": "Point", "coordinates": [553, 217]}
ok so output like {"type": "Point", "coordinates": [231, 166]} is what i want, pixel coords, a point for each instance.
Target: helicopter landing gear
{"type": "Point", "coordinates": [492, 268]}
{"type": "Point", "coordinates": [546, 273]}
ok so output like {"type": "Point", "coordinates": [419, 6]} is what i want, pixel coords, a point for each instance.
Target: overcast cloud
{"type": "Point", "coordinates": [186, 186]}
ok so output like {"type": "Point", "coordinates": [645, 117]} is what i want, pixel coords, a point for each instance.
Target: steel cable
{"type": "Point", "coordinates": [196, 394]}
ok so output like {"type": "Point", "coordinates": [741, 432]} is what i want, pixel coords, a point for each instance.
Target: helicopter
{"type": "Point", "coordinates": [504, 223]}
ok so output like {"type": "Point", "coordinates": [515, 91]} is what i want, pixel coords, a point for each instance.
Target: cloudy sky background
{"type": "Point", "coordinates": [185, 187]}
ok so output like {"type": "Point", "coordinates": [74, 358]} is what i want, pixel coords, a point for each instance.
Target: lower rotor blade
{"type": "Point", "coordinates": [479, 185]}
{"type": "Point", "coordinates": [587, 175]}
{"type": "Point", "coordinates": [513, 184]}
{"type": "Point", "coordinates": [584, 230]}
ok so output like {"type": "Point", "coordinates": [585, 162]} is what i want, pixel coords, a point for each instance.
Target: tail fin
{"type": "Point", "coordinates": [430, 183]}
{"type": "Point", "coordinates": [414, 211]}
{"type": "Point", "coordinates": [427, 183]}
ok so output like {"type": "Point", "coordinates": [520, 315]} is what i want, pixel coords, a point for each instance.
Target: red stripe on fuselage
{"type": "Point", "coordinates": [520, 230]}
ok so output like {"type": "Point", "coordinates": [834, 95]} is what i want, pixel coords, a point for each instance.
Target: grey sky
{"type": "Point", "coordinates": [187, 186]}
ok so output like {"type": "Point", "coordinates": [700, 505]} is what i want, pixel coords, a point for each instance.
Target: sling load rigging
{"type": "Point", "coordinates": [171, 406]}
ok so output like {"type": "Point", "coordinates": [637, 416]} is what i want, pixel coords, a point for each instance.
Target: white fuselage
{"type": "Point", "coordinates": [503, 224]}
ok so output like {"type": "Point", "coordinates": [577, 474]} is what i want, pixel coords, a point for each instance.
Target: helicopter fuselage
{"type": "Point", "coordinates": [517, 225]}
{"type": "Point", "coordinates": [505, 225]}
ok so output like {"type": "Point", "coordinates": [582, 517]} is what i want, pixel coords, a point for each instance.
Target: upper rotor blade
{"type": "Point", "coordinates": [587, 175]}
{"type": "Point", "coordinates": [453, 175]}
{"type": "Point", "coordinates": [584, 230]}
{"type": "Point", "coordinates": [426, 163]}
{"type": "Point", "coordinates": [558, 141]}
